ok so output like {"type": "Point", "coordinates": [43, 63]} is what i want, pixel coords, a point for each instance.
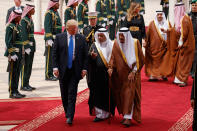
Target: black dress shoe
{"type": "Point", "coordinates": [182, 84]}
{"type": "Point", "coordinates": [153, 80]}
{"type": "Point", "coordinates": [165, 79]}
{"type": "Point", "coordinates": [122, 121]}
{"type": "Point", "coordinates": [33, 88]}
{"type": "Point", "coordinates": [17, 95]}
{"type": "Point", "coordinates": [69, 121]}
{"type": "Point", "coordinates": [127, 123]}
{"type": "Point", "coordinates": [26, 88]}
{"type": "Point", "coordinates": [52, 78]}
{"type": "Point", "coordinates": [97, 119]}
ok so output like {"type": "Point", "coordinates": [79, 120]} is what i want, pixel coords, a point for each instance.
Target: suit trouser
{"type": "Point", "coordinates": [68, 88]}
{"type": "Point", "coordinates": [195, 118]}
{"type": "Point", "coordinates": [48, 65]}
{"type": "Point", "coordinates": [27, 69]}
{"type": "Point", "coordinates": [14, 75]}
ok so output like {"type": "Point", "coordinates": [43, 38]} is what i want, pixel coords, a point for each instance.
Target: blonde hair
{"type": "Point", "coordinates": [71, 22]}
{"type": "Point", "coordinates": [131, 11]}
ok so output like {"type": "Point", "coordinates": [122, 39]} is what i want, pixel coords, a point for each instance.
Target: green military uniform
{"type": "Point", "coordinates": [70, 13]}
{"type": "Point", "coordinates": [82, 15]}
{"type": "Point", "coordinates": [102, 16]}
{"type": "Point", "coordinates": [66, 1]}
{"type": "Point", "coordinates": [122, 6]}
{"type": "Point", "coordinates": [89, 32]}
{"type": "Point", "coordinates": [27, 31]}
{"type": "Point", "coordinates": [14, 47]}
{"type": "Point", "coordinates": [110, 5]}
{"type": "Point", "coordinates": [52, 26]}
{"type": "Point", "coordinates": [165, 6]}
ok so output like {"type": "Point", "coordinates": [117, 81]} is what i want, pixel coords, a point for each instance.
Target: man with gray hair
{"type": "Point", "coordinates": [17, 7]}
{"type": "Point", "coordinates": [70, 64]}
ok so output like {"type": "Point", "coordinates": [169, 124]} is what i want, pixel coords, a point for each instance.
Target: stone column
{"type": "Point", "coordinates": [37, 17]}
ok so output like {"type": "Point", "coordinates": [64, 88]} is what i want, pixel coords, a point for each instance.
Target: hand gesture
{"type": "Point", "coordinates": [94, 55]}
{"type": "Point", "coordinates": [163, 30]}
{"type": "Point", "coordinates": [110, 72]}
{"type": "Point", "coordinates": [56, 73]}
{"type": "Point", "coordinates": [83, 73]}
{"type": "Point", "coordinates": [131, 76]}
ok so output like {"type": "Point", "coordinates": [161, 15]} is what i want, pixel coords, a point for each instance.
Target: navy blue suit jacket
{"type": "Point", "coordinates": [60, 54]}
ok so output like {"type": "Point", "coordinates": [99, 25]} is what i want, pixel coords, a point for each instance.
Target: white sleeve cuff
{"type": "Point", "coordinates": [55, 69]}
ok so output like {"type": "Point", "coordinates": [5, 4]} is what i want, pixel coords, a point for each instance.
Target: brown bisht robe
{"type": "Point", "coordinates": [185, 54]}
{"type": "Point", "coordinates": [126, 93]}
{"type": "Point", "coordinates": [158, 62]}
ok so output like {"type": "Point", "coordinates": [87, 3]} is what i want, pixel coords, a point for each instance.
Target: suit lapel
{"type": "Point", "coordinates": [76, 43]}
{"type": "Point", "coordinates": [66, 42]}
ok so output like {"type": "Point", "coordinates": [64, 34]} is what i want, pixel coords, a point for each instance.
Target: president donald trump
{"type": "Point", "coordinates": [70, 63]}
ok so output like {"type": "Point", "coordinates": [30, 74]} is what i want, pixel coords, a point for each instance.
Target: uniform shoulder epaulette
{"type": "Point", "coordinates": [10, 25]}
{"type": "Point", "coordinates": [28, 21]}
{"type": "Point", "coordinates": [49, 11]}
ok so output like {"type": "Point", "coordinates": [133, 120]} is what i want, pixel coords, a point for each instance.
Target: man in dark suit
{"type": "Point", "coordinates": [16, 7]}
{"type": "Point", "coordinates": [70, 63]}
{"type": "Point", "coordinates": [193, 101]}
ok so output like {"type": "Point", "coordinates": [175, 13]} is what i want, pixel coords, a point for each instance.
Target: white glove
{"type": "Point", "coordinates": [28, 50]}
{"type": "Point", "coordinates": [31, 43]}
{"type": "Point", "coordinates": [50, 43]}
{"type": "Point", "coordinates": [122, 18]}
{"type": "Point", "coordinates": [81, 30]}
{"type": "Point", "coordinates": [85, 25]}
{"type": "Point", "coordinates": [14, 57]}
{"type": "Point", "coordinates": [103, 24]}
{"type": "Point", "coordinates": [113, 17]}
{"type": "Point", "coordinates": [105, 19]}
{"type": "Point", "coordinates": [111, 22]}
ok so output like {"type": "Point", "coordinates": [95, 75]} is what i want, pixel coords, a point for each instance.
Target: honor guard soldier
{"type": "Point", "coordinates": [52, 26]}
{"type": "Point", "coordinates": [27, 31]}
{"type": "Point", "coordinates": [89, 32]}
{"type": "Point", "coordinates": [112, 18]}
{"type": "Point", "coordinates": [70, 12]}
{"type": "Point", "coordinates": [102, 16]}
{"type": "Point", "coordinates": [14, 47]}
{"type": "Point", "coordinates": [122, 6]}
{"type": "Point", "coordinates": [165, 6]}
{"type": "Point", "coordinates": [82, 14]}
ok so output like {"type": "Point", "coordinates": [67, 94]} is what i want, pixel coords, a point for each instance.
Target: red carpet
{"type": "Point", "coordinates": [165, 106]}
{"type": "Point", "coordinates": [13, 112]}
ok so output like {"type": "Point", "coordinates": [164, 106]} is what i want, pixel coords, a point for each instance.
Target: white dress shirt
{"type": "Point", "coordinates": [18, 8]}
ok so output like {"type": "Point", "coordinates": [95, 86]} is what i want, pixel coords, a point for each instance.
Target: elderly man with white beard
{"type": "Point", "coordinates": [99, 57]}
{"type": "Point", "coordinates": [124, 70]}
